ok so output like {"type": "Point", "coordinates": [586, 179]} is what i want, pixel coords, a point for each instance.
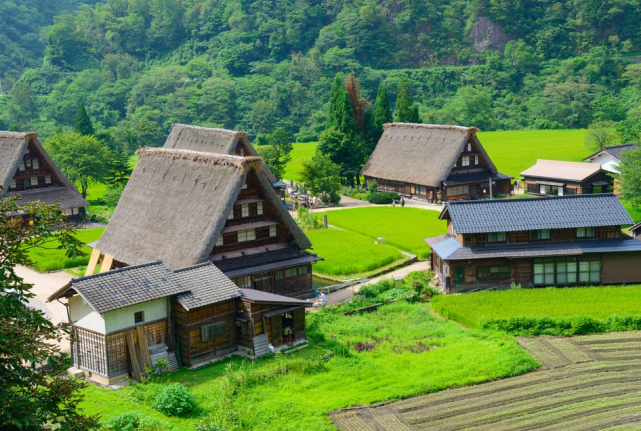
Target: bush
{"type": "Point", "coordinates": [383, 197]}
{"type": "Point", "coordinates": [175, 400]}
{"type": "Point", "coordinates": [134, 422]}
{"type": "Point", "coordinates": [334, 198]}
{"type": "Point", "coordinates": [307, 221]}
{"type": "Point", "coordinates": [373, 186]}
{"type": "Point", "coordinates": [111, 197]}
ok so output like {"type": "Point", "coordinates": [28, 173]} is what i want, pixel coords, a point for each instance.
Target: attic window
{"type": "Point", "coordinates": [219, 241]}
{"type": "Point", "coordinates": [21, 166]}
{"type": "Point", "coordinates": [245, 210]}
{"type": "Point", "coordinates": [48, 179]}
{"type": "Point", "coordinates": [231, 215]}
{"type": "Point", "coordinates": [244, 186]}
{"type": "Point", "coordinates": [259, 208]}
{"type": "Point", "coordinates": [139, 317]}
{"type": "Point", "coordinates": [13, 184]}
{"type": "Point", "coordinates": [465, 161]}
{"type": "Point", "coordinates": [211, 332]}
{"type": "Point", "coordinates": [469, 147]}
{"type": "Point", "coordinates": [35, 164]}
{"type": "Point", "coordinates": [476, 160]}
{"type": "Point", "coordinates": [272, 230]}
{"type": "Point", "coordinates": [246, 235]}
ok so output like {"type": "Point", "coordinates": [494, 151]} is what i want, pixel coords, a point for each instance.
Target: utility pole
{"type": "Point", "coordinates": [491, 189]}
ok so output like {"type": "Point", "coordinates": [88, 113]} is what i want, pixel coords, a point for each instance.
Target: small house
{"type": "Point", "coordinates": [558, 178]}
{"type": "Point", "coordinates": [186, 207]}
{"type": "Point", "coordinates": [434, 162]}
{"type": "Point", "coordinates": [27, 170]}
{"type": "Point", "coordinates": [535, 242]}
{"type": "Point", "coordinates": [133, 316]}
{"type": "Point", "coordinates": [610, 157]}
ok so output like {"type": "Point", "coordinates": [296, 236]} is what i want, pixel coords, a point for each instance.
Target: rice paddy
{"type": "Point", "coordinates": [349, 254]}
{"type": "Point", "coordinates": [402, 227]}
{"type": "Point", "coordinates": [566, 311]}
{"type": "Point", "coordinates": [51, 259]}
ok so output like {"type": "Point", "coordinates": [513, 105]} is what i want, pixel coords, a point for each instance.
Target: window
{"type": "Point", "coordinates": [36, 165]}
{"type": "Point", "coordinates": [48, 179]}
{"type": "Point", "coordinates": [469, 147]}
{"type": "Point", "coordinates": [245, 210]}
{"type": "Point", "coordinates": [27, 182]}
{"type": "Point", "coordinates": [21, 166]}
{"type": "Point", "coordinates": [465, 161]}
{"type": "Point", "coordinates": [67, 211]}
{"type": "Point", "coordinates": [272, 230]}
{"type": "Point", "coordinates": [246, 235]}
{"type": "Point", "coordinates": [483, 272]}
{"type": "Point", "coordinates": [244, 187]}
{"type": "Point", "coordinates": [231, 215]}
{"type": "Point", "coordinates": [540, 235]}
{"type": "Point", "coordinates": [74, 211]}
{"type": "Point", "coordinates": [242, 281]}
{"type": "Point", "coordinates": [302, 270]}
{"type": "Point", "coordinates": [279, 275]}
{"type": "Point", "coordinates": [585, 232]}
{"type": "Point", "coordinates": [566, 271]}
{"type": "Point", "coordinates": [28, 163]}
{"type": "Point", "coordinates": [210, 332]}
{"type": "Point", "coordinates": [139, 317]}
{"type": "Point", "coordinates": [241, 152]}
{"type": "Point", "coordinates": [219, 241]}
{"type": "Point", "coordinates": [13, 184]}
{"type": "Point", "coordinates": [259, 208]}
{"type": "Point", "coordinates": [496, 237]}
{"type": "Point", "coordinates": [544, 272]}
{"type": "Point", "coordinates": [590, 272]}
{"type": "Point", "coordinates": [476, 160]}
{"type": "Point", "coordinates": [458, 191]}
{"type": "Point", "coordinates": [34, 181]}
{"type": "Point", "coordinates": [290, 272]}
{"type": "Point", "coordinates": [543, 189]}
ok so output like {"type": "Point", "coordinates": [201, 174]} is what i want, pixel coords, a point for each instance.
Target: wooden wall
{"type": "Point", "coordinates": [556, 235]}
{"type": "Point", "coordinates": [297, 285]}
{"type": "Point", "coordinates": [619, 268]}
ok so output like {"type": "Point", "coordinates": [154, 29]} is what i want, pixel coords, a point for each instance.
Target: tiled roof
{"type": "Point", "coordinates": [614, 150]}
{"type": "Point", "coordinates": [260, 296]}
{"type": "Point", "coordinates": [554, 212]}
{"type": "Point", "coordinates": [127, 286]}
{"type": "Point", "coordinates": [574, 171]}
{"type": "Point", "coordinates": [446, 247]}
{"type": "Point", "coordinates": [206, 285]}
{"type": "Point", "coordinates": [260, 259]}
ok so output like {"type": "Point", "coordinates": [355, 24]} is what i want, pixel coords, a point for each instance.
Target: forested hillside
{"type": "Point", "coordinates": [140, 65]}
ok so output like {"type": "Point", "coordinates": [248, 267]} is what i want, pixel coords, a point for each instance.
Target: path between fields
{"type": "Point", "coordinates": [589, 382]}
{"type": "Point", "coordinates": [349, 203]}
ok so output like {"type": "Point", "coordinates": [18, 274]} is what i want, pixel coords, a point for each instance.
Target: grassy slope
{"type": "Point", "coordinates": [348, 253]}
{"type": "Point", "coordinates": [50, 259]}
{"type": "Point", "coordinates": [97, 190]}
{"type": "Point", "coordinates": [404, 228]}
{"type": "Point", "coordinates": [300, 152]}
{"type": "Point", "coordinates": [297, 401]}
{"type": "Point", "coordinates": [516, 150]}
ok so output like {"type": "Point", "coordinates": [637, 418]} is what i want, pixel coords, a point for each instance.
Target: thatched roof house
{"type": "Point", "coordinates": [217, 141]}
{"type": "Point", "coordinates": [422, 160]}
{"type": "Point", "coordinates": [27, 169]}
{"type": "Point", "coordinates": [186, 207]}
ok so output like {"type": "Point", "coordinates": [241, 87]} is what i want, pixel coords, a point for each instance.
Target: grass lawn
{"type": "Point", "coordinates": [555, 311]}
{"type": "Point", "coordinates": [634, 213]}
{"type": "Point", "coordinates": [410, 352]}
{"type": "Point", "coordinates": [96, 190]}
{"type": "Point", "coordinates": [300, 152]}
{"type": "Point", "coordinates": [50, 259]}
{"type": "Point", "coordinates": [514, 151]}
{"type": "Point", "coordinates": [402, 227]}
{"type": "Point", "coordinates": [348, 253]}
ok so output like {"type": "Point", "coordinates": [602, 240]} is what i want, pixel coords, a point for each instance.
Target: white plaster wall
{"type": "Point", "coordinates": [124, 317]}
{"type": "Point", "coordinates": [84, 316]}
{"type": "Point", "coordinates": [608, 163]}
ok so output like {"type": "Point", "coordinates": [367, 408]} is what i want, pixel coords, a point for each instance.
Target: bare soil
{"type": "Point", "coordinates": [589, 382]}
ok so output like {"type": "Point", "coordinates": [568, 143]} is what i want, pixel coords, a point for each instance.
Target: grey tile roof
{"type": "Point", "coordinates": [260, 296]}
{"type": "Point", "coordinates": [557, 212]}
{"type": "Point", "coordinates": [615, 150]}
{"type": "Point", "coordinates": [446, 247]}
{"type": "Point", "coordinates": [127, 286]}
{"type": "Point", "coordinates": [206, 284]}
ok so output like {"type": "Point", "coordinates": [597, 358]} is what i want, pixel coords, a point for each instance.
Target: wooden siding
{"type": "Point", "coordinates": [619, 268]}
{"type": "Point", "coordinates": [571, 187]}
{"type": "Point", "coordinates": [297, 285]}
{"type": "Point", "coordinates": [89, 350]}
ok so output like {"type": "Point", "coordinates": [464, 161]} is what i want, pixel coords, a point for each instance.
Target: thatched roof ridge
{"type": "Point", "coordinates": [176, 204]}
{"type": "Point", "coordinates": [421, 154]}
{"type": "Point", "coordinates": [210, 140]}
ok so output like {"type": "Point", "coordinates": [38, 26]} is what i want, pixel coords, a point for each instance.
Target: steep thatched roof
{"type": "Point", "coordinates": [176, 204]}
{"type": "Point", "coordinates": [421, 154]}
{"type": "Point", "coordinates": [12, 149]}
{"type": "Point", "coordinates": [217, 141]}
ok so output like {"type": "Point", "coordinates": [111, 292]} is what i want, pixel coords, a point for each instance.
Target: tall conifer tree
{"type": "Point", "coordinates": [83, 124]}
{"type": "Point", "coordinates": [406, 109]}
{"type": "Point", "coordinates": [382, 111]}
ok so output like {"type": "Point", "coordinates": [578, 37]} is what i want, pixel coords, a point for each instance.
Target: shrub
{"type": "Point", "coordinates": [112, 195]}
{"type": "Point", "coordinates": [373, 186]}
{"type": "Point", "coordinates": [134, 422]}
{"type": "Point", "coordinates": [175, 400]}
{"type": "Point", "coordinates": [374, 290]}
{"type": "Point", "coordinates": [307, 221]}
{"type": "Point", "coordinates": [382, 197]}
{"type": "Point", "coordinates": [334, 198]}
{"type": "Point", "coordinates": [145, 393]}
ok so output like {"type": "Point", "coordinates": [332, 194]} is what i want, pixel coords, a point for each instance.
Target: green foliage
{"type": "Point", "coordinates": [383, 198]}
{"type": "Point", "coordinates": [406, 110]}
{"type": "Point", "coordinates": [600, 135]}
{"type": "Point", "coordinates": [306, 220]}
{"type": "Point", "coordinates": [52, 258]}
{"type": "Point", "coordinates": [175, 400]}
{"type": "Point", "coordinates": [23, 109]}
{"type": "Point", "coordinates": [119, 170]}
{"type": "Point", "coordinates": [112, 195]}
{"type": "Point", "coordinates": [551, 311]}
{"type": "Point", "coordinates": [82, 124]}
{"type": "Point", "coordinates": [134, 421]}
{"type": "Point", "coordinates": [630, 177]}
{"type": "Point", "coordinates": [277, 154]}
{"type": "Point", "coordinates": [382, 111]}
{"type": "Point", "coordinates": [321, 175]}
{"type": "Point", "coordinates": [373, 186]}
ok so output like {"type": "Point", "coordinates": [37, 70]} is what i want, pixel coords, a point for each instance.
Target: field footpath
{"type": "Point", "coordinates": [590, 382]}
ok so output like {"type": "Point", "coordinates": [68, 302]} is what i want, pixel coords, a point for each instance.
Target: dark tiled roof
{"type": "Point", "coordinates": [446, 247]}
{"type": "Point", "coordinates": [260, 296]}
{"type": "Point", "coordinates": [261, 259]}
{"type": "Point", "coordinates": [636, 227]}
{"type": "Point", "coordinates": [474, 177]}
{"type": "Point", "coordinates": [554, 212]}
{"type": "Point", "coordinates": [206, 285]}
{"type": "Point", "coordinates": [127, 286]}
{"type": "Point", "coordinates": [617, 150]}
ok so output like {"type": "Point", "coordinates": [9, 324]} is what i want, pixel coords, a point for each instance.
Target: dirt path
{"type": "Point", "coordinates": [585, 383]}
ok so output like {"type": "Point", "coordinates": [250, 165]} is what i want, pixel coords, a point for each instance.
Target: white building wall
{"type": "Point", "coordinates": [84, 316]}
{"type": "Point", "coordinates": [607, 162]}
{"type": "Point", "coordinates": [124, 317]}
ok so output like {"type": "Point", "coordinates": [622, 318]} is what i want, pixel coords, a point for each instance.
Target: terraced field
{"type": "Point", "coordinates": [590, 382]}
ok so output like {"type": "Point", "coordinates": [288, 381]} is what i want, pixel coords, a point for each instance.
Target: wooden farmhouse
{"type": "Point", "coordinates": [130, 317]}
{"type": "Point", "coordinates": [554, 177]}
{"type": "Point", "coordinates": [26, 169]}
{"type": "Point", "coordinates": [535, 242]}
{"type": "Point", "coordinates": [186, 207]}
{"type": "Point", "coordinates": [610, 157]}
{"type": "Point", "coordinates": [432, 162]}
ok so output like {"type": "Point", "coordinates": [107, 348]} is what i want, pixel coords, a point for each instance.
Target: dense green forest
{"type": "Point", "coordinates": [140, 65]}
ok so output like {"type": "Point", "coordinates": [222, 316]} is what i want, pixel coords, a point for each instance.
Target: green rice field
{"type": "Point", "coordinates": [300, 152]}
{"type": "Point", "coordinates": [348, 253]}
{"type": "Point", "coordinates": [402, 227]}
{"type": "Point", "coordinates": [50, 259]}
{"type": "Point", "coordinates": [553, 311]}
{"type": "Point", "coordinates": [408, 352]}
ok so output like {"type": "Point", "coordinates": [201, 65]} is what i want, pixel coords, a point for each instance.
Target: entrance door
{"type": "Point", "coordinates": [458, 276]}
{"type": "Point", "coordinates": [263, 282]}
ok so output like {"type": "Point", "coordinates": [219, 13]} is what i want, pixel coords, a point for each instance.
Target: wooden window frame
{"type": "Point", "coordinates": [496, 241]}
{"type": "Point", "coordinates": [501, 272]}
{"type": "Point", "coordinates": [536, 236]}
{"type": "Point", "coordinates": [212, 331]}
{"type": "Point", "coordinates": [139, 317]}
{"type": "Point", "coordinates": [585, 231]}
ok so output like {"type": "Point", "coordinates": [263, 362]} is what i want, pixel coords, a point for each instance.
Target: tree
{"type": "Point", "coordinates": [630, 177]}
{"type": "Point", "coordinates": [277, 154]}
{"type": "Point", "coordinates": [29, 395]}
{"type": "Point", "coordinates": [472, 106]}
{"type": "Point", "coordinates": [341, 150]}
{"type": "Point", "coordinates": [382, 111]}
{"type": "Point", "coordinates": [119, 170]}
{"type": "Point", "coordinates": [83, 124]}
{"type": "Point", "coordinates": [83, 159]}
{"type": "Point", "coordinates": [339, 114]}
{"type": "Point", "coordinates": [406, 109]}
{"type": "Point", "coordinates": [600, 135]}
{"type": "Point", "coordinates": [359, 105]}
{"type": "Point", "coordinates": [321, 175]}
{"type": "Point", "coordinates": [24, 104]}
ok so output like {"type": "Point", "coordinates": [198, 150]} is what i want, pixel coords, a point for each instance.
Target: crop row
{"type": "Point", "coordinates": [349, 421]}
{"type": "Point", "coordinates": [544, 354]}
{"type": "Point", "coordinates": [602, 347]}
{"type": "Point", "coordinates": [569, 350]}
{"type": "Point", "coordinates": [391, 423]}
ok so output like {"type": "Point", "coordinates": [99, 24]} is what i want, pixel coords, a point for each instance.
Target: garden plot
{"type": "Point", "coordinates": [590, 387]}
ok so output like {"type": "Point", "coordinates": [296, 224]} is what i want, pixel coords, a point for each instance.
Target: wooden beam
{"type": "Point", "coordinates": [93, 261]}
{"type": "Point", "coordinates": [106, 263]}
